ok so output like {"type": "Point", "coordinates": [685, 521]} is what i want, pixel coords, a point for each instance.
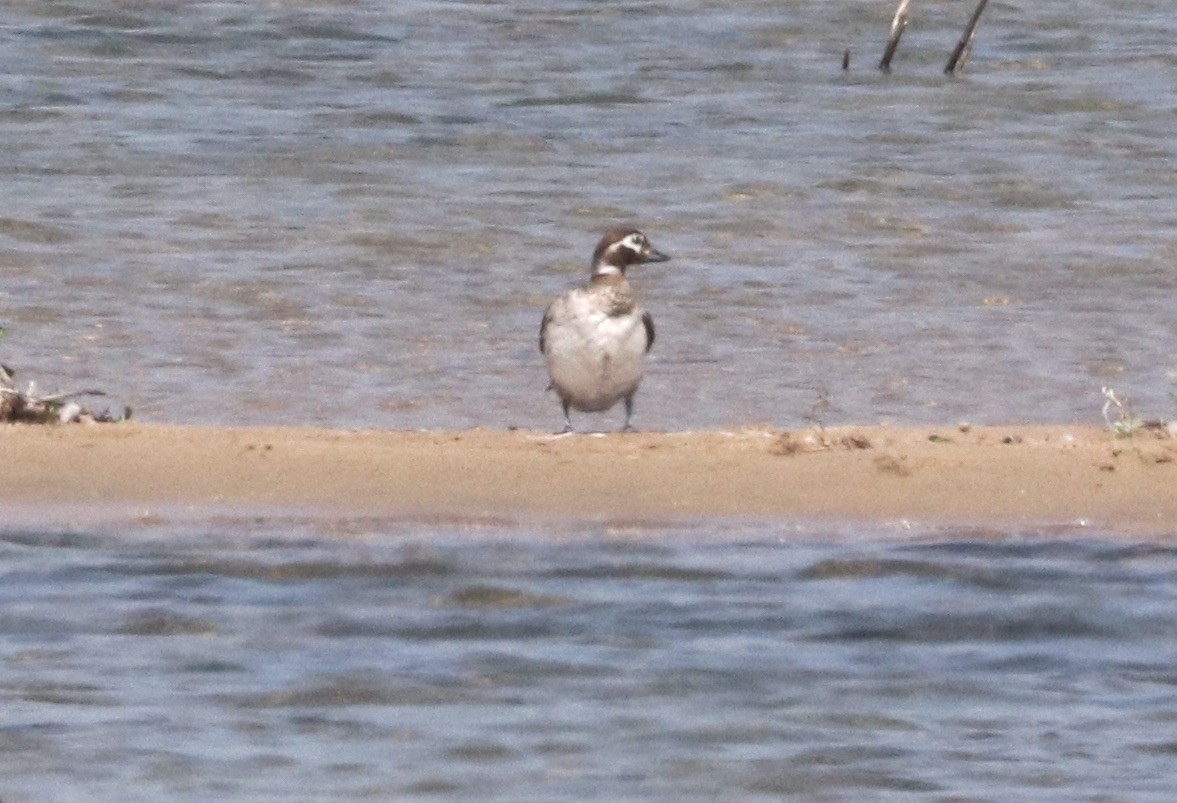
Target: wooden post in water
{"type": "Point", "coordinates": [898, 24]}
{"type": "Point", "coordinates": [961, 54]}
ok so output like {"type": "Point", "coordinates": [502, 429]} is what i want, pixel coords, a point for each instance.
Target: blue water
{"type": "Point", "coordinates": [353, 212]}
{"type": "Point", "coordinates": [270, 659]}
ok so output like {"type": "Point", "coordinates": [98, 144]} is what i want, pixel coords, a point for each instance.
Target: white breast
{"type": "Point", "coordinates": [594, 359]}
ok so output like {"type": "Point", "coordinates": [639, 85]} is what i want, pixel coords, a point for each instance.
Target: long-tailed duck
{"type": "Point", "coordinates": [595, 338]}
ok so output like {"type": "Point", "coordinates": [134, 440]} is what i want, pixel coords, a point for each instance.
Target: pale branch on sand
{"type": "Point", "coordinates": [961, 54]}
{"type": "Point", "coordinates": [59, 408]}
{"type": "Point", "coordinates": [898, 24]}
{"type": "Point", "coordinates": [56, 408]}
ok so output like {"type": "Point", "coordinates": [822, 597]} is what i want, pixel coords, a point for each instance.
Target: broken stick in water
{"type": "Point", "coordinates": [898, 24]}
{"type": "Point", "coordinates": [961, 54]}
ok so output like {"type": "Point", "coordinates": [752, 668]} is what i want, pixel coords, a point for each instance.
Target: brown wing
{"type": "Point", "coordinates": [543, 330]}
{"type": "Point", "coordinates": [648, 322]}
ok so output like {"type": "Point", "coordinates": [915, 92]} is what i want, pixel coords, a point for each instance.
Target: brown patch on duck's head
{"type": "Point", "coordinates": [621, 247]}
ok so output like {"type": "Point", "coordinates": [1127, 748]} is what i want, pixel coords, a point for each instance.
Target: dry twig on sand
{"type": "Point", "coordinates": [56, 408]}
{"type": "Point", "coordinates": [60, 408]}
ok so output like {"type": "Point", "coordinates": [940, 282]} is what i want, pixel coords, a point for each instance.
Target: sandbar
{"type": "Point", "coordinates": [986, 476]}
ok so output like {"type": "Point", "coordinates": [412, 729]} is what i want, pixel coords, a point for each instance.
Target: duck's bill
{"type": "Point", "coordinates": [656, 256]}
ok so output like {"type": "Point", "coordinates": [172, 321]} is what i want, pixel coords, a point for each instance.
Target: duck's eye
{"type": "Point", "coordinates": [636, 242]}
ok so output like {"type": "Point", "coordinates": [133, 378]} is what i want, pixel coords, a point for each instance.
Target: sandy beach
{"type": "Point", "coordinates": [997, 476]}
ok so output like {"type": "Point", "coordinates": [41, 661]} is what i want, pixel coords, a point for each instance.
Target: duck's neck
{"type": "Point", "coordinates": [604, 273]}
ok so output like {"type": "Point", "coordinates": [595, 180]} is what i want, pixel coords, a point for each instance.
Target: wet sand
{"type": "Point", "coordinates": [986, 476]}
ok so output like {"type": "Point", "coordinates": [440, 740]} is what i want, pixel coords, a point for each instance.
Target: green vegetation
{"type": "Point", "coordinates": [1123, 421]}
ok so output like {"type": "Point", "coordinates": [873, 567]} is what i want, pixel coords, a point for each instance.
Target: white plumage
{"type": "Point", "coordinates": [595, 338]}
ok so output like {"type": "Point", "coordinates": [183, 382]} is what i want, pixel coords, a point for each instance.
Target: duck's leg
{"type": "Point", "coordinates": [567, 419]}
{"type": "Point", "coordinates": [628, 414]}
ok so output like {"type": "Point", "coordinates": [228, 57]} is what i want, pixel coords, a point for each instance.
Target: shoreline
{"type": "Point", "coordinates": [990, 476]}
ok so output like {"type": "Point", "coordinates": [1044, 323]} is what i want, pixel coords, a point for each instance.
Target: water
{"type": "Point", "coordinates": [272, 659]}
{"type": "Point", "coordinates": [353, 213]}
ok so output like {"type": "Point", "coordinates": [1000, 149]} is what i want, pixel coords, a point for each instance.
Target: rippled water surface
{"type": "Point", "coordinates": [353, 212]}
{"type": "Point", "coordinates": [287, 660]}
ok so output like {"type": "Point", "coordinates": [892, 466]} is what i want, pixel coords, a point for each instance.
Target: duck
{"type": "Point", "coordinates": [594, 339]}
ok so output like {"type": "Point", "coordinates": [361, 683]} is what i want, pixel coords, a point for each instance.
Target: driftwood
{"type": "Point", "coordinates": [60, 408]}
{"type": "Point", "coordinates": [961, 53]}
{"type": "Point", "coordinates": [898, 25]}
{"type": "Point", "coordinates": [56, 408]}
